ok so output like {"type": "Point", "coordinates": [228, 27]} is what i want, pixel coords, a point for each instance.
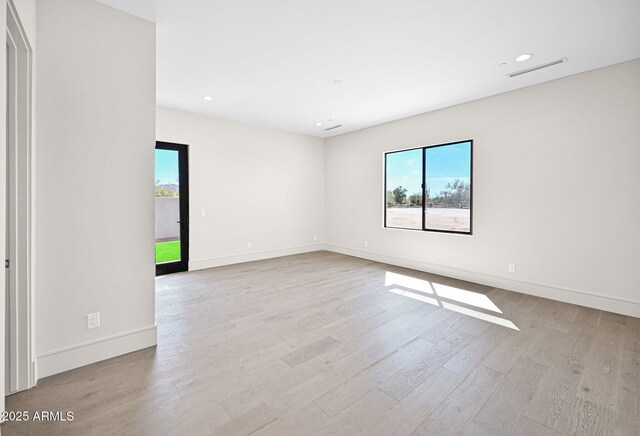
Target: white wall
{"type": "Point", "coordinates": [555, 190]}
{"type": "Point", "coordinates": [95, 145]}
{"type": "Point", "coordinates": [257, 185]}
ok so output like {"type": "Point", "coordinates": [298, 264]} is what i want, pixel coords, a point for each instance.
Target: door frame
{"type": "Point", "coordinates": [183, 181]}
{"type": "Point", "coordinates": [21, 372]}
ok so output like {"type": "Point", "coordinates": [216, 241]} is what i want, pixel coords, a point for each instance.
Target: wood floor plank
{"type": "Point", "coordinates": [434, 318]}
{"type": "Point", "coordinates": [347, 393]}
{"type": "Point", "coordinates": [256, 395]}
{"type": "Point", "coordinates": [353, 419]}
{"type": "Point", "coordinates": [362, 327]}
{"type": "Point", "coordinates": [242, 401]}
{"type": "Point", "coordinates": [310, 351]}
{"type": "Point", "coordinates": [202, 383]}
{"type": "Point", "coordinates": [252, 421]}
{"type": "Point", "coordinates": [408, 414]}
{"type": "Point", "coordinates": [310, 389]}
{"type": "Point", "coordinates": [528, 427]}
{"type": "Point", "coordinates": [469, 357]}
{"type": "Point", "coordinates": [628, 417]}
{"type": "Point", "coordinates": [501, 412]}
{"type": "Point", "coordinates": [400, 337]}
{"type": "Point", "coordinates": [562, 315]}
{"type": "Point", "coordinates": [305, 420]}
{"type": "Point", "coordinates": [444, 328]}
{"type": "Point", "coordinates": [475, 326]}
{"type": "Point", "coordinates": [506, 353]}
{"type": "Point", "coordinates": [372, 338]}
{"type": "Point", "coordinates": [425, 309]}
{"type": "Point", "coordinates": [412, 374]}
{"type": "Point", "coordinates": [475, 430]}
{"type": "Point", "coordinates": [601, 377]}
{"type": "Point", "coordinates": [544, 348]}
{"type": "Point", "coordinates": [459, 408]}
{"type": "Point", "coordinates": [588, 418]}
{"type": "Point", "coordinates": [552, 403]}
{"type": "Point", "coordinates": [632, 334]}
{"type": "Point", "coordinates": [587, 317]}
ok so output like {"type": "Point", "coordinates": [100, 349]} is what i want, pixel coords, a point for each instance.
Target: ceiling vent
{"type": "Point", "coordinates": [334, 127]}
{"type": "Point", "coordinates": [537, 67]}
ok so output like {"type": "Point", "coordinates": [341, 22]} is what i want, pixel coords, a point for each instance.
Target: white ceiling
{"type": "Point", "coordinates": [273, 62]}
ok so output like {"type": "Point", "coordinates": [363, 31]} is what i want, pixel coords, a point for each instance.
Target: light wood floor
{"type": "Point", "coordinates": [322, 343]}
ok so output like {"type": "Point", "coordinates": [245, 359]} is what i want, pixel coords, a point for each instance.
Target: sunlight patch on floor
{"type": "Point", "coordinates": [405, 286]}
{"type": "Point", "coordinates": [393, 279]}
{"type": "Point", "coordinates": [480, 315]}
{"type": "Point", "coordinates": [466, 297]}
{"type": "Point", "coordinates": [415, 296]}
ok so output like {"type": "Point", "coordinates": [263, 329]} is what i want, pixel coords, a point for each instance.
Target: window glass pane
{"type": "Point", "coordinates": [404, 189]}
{"type": "Point", "coordinates": [167, 207]}
{"type": "Point", "coordinates": [448, 188]}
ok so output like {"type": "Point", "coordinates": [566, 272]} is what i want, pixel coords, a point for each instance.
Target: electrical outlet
{"type": "Point", "coordinates": [249, 245]}
{"type": "Point", "coordinates": [93, 320]}
{"type": "Point", "coordinates": [511, 267]}
{"type": "Point", "coordinates": [315, 237]}
{"type": "Point", "coordinates": [203, 212]}
{"type": "Point", "coordinates": [366, 243]}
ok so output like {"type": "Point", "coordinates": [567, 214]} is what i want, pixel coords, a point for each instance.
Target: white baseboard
{"type": "Point", "coordinates": [573, 296]}
{"type": "Point", "coordinates": [64, 359]}
{"type": "Point", "coordinates": [254, 255]}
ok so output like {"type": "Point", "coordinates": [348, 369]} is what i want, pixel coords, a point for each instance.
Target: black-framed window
{"type": "Point", "coordinates": [430, 188]}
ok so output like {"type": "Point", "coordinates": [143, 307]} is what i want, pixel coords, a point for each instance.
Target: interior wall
{"type": "Point", "coordinates": [94, 195]}
{"type": "Point", "coordinates": [555, 190]}
{"type": "Point", "coordinates": [255, 184]}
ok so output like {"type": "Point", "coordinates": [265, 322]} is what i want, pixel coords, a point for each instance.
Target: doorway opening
{"type": "Point", "coordinates": [172, 208]}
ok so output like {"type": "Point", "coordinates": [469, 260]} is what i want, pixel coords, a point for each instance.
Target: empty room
{"type": "Point", "coordinates": [291, 217]}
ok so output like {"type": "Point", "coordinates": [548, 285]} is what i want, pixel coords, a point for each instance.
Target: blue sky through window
{"type": "Point", "coordinates": [167, 167]}
{"type": "Point", "coordinates": [444, 165]}
{"type": "Point", "coordinates": [405, 169]}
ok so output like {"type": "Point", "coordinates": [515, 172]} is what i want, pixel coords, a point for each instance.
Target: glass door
{"type": "Point", "coordinates": [172, 208]}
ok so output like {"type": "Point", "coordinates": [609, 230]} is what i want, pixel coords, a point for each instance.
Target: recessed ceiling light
{"type": "Point", "coordinates": [524, 57]}
{"type": "Point", "coordinates": [208, 98]}
{"type": "Point", "coordinates": [337, 82]}
{"type": "Point", "coordinates": [319, 124]}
